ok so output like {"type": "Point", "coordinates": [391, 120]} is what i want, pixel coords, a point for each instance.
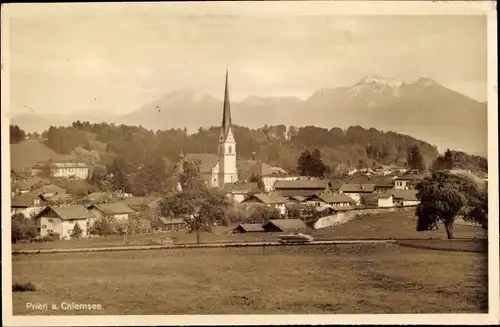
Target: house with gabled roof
{"type": "Point", "coordinates": [62, 220]}
{"type": "Point", "coordinates": [403, 198]}
{"type": "Point", "coordinates": [271, 200]}
{"type": "Point", "coordinates": [285, 225]}
{"type": "Point", "coordinates": [249, 228]}
{"type": "Point", "coordinates": [356, 191]}
{"type": "Point", "coordinates": [28, 204]}
{"type": "Point", "coordinates": [239, 191]}
{"type": "Point", "coordinates": [407, 182]}
{"type": "Point", "coordinates": [118, 211]}
{"type": "Point", "coordinates": [329, 199]}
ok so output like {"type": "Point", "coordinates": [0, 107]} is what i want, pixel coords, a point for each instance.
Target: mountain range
{"type": "Point", "coordinates": [423, 109]}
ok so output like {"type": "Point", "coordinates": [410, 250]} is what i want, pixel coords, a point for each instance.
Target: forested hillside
{"type": "Point", "coordinates": [277, 145]}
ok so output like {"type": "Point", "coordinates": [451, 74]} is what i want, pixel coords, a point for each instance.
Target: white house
{"type": "Point", "coordinates": [69, 169]}
{"type": "Point", "coordinates": [330, 200]}
{"type": "Point", "coordinates": [356, 191]}
{"type": "Point", "coordinates": [29, 204]}
{"type": "Point", "coordinates": [404, 198]}
{"type": "Point", "coordinates": [407, 182]}
{"type": "Point", "coordinates": [62, 220]}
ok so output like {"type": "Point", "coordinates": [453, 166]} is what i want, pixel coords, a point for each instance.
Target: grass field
{"type": "Point", "coordinates": [395, 225]}
{"type": "Point", "coordinates": [354, 278]}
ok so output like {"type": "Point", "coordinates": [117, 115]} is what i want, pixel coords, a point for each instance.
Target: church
{"type": "Point", "coordinates": [219, 169]}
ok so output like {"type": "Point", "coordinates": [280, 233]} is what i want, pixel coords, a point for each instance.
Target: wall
{"type": "Point", "coordinates": [49, 222]}
{"type": "Point", "coordinates": [385, 203]}
{"type": "Point", "coordinates": [342, 217]}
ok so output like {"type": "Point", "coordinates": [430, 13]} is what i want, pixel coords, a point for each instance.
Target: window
{"type": "Point", "coordinates": [44, 226]}
{"type": "Point", "coordinates": [230, 148]}
{"type": "Point", "coordinates": [50, 231]}
{"type": "Point", "coordinates": [51, 220]}
{"type": "Point", "coordinates": [70, 231]}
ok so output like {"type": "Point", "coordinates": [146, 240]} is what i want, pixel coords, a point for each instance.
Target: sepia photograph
{"type": "Point", "coordinates": [301, 161]}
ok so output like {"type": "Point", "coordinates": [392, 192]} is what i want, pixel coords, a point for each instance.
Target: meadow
{"type": "Point", "coordinates": [389, 225]}
{"type": "Point", "coordinates": [346, 278]}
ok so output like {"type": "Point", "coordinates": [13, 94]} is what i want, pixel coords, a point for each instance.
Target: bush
{"type": "Point", "coordinates": [51, 237]}
{"type": "Point", "coordinates": [23, 287]}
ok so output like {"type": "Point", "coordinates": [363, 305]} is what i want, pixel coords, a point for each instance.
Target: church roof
{"type": "Point", "coordinates": [226, 115]}
{"type": "Point", "coordinates": [207, 161]}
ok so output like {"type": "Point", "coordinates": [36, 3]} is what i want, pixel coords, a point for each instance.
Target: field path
{"type": "Point", "coordinates": [203, 245]}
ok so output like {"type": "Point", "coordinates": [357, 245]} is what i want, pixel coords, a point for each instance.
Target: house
{"type": "Point", "coordinates": [356, 191]}
{"type": "Point", "coordinates": [271, 200]}
{"type": "Point", "coordinates": [385, 201]}
{"type": "Point", "coordinates": [300, 187]}
{"type": "Point", "coordinates": [118, 210]}
{"type": "Point", "coordinates": [50, 190]}
{"type": "Point", "coordinates": [29, 204]}
{"type": "Point", "coordinates": [173, 224]}
{"type": "Point", "coordinates": [383, 184]}
{"type": "Point", "coordinates": [285, 225]}
{"type": "Point", "coordinates": [239, 191]}
{"type": "Point", "coordinates": [248, 228]}
{"type": "Point", "coordinates": [330, 200]}
{"type": "Point", "coordinates": [29, 184]}
{"type": "Point", "coordinates": [403, 198]}
{"type": "Point", "coordinates": [78, 170]}
{"type": "Point", "coordinates": [407, 182]}
{"type": "Point", "coordinates": [62, 220]}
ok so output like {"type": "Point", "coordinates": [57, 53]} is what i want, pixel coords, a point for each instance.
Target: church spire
{"type": "Point", "coordinates": [226, 115]}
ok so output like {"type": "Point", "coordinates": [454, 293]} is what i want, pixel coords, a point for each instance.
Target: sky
{"type": "Point", "coordinates": [117, 57]}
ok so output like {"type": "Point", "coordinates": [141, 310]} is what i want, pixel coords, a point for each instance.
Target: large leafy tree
{"type": "Point", "coordinates": [22, 228]}
{"type": "Point", "coordinates": [262, 214]}
{"type": "Point", "coordinates": [414, 159]}
{"type": "Point", "coordinates": [201, 209]}
{"type": "Point", "coordinates": [442, 197]}
{"type": "Point", "coordinates": [310, 164]}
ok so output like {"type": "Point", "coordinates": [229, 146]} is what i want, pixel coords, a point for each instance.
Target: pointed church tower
{"type": "Point", "coordinates": [227, 144]}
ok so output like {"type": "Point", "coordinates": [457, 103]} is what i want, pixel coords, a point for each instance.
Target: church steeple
{"type": "Point", "coordinates": [226, 115]}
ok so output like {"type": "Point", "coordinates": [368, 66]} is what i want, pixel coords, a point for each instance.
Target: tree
{"type": "Point", "coordinates": [293, 211]}
{"type": "Point", "coordinates": [310, 164]}
{"type": "Point", "coordinates": [257, 179]}
{"type": "Point", "coordinates": [442, 197]}
{"type": "Point", "coordinates": [200, 209]}
{"type": "Point", "coordinates": [444, 162]}
{"type": "Point", "coordinates": [77, 231]}
{"type": "Point", "coordinates": [477, 211]}
{"type": "Point", "coordinates": [102, 227]}
{"type": "Point", "coordinates": [414, 159]}
{"type": "Point", "coordinates": [262, 214]}
{"type": "Point", "coordinates": [22, 228]}
{"type": "Point", "coordinates": [190, 177]}
{"type": "Point", "coordinates": [16, 134]}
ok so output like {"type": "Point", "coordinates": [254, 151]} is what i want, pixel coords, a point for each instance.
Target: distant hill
{"type": "Point", "coordinates": [28, 153]}
{"type": "Point", "coordinates": [423, 109]}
